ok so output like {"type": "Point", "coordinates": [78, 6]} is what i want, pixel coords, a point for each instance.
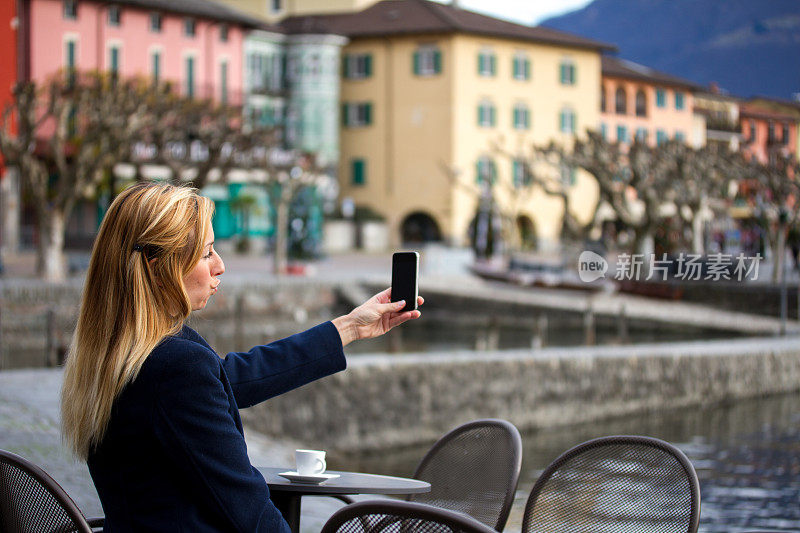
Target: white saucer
{"type": "Point", "coordinates": [314, 479]}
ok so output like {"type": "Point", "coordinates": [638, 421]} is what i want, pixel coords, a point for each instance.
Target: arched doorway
{"type": "Point", "coordinates": [419, 227]}
{"type": "Point", "coordinates": [526, 229]}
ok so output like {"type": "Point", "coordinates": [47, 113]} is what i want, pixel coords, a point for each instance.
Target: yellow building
{"type": "Point", "coordinates": [429, 89]}
{"type": "Point", "coordinates": [274, 10]}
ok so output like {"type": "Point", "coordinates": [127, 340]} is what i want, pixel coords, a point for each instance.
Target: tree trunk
{"type": "Point", "coordinates": [281, 261]}
{"type": "Point", "coordinates": [779, 254]}
{"type": "Point", "coordinates": [10, 209]}
{"type": "Point", "coordinates": [51, 264]}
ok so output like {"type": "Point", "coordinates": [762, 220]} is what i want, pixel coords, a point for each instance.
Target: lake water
{"type": "Point", "coordinates": [747, 456]}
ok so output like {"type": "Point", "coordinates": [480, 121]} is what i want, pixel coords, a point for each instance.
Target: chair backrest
{"type": "Point", "coordinates": [32, 502]}
{"type": "Point", "coordinates": [474, 469]}
{"type": "Point", "coordinates": [616, 484]}
{"type": "Point", "coordinates": [392, 516]}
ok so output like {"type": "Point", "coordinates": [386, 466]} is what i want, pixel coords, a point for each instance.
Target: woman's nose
{"type": "Point", "coordinates": [220, 267]}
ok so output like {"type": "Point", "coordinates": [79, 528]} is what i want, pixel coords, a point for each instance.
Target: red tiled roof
{"type": "Point", "coordinates": [621, 68]}
{"type": "Point", "coordinates": [753, 110]}
{"type": "Point", "coordinates": [410, 17]}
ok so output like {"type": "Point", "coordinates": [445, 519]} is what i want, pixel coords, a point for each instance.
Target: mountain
{"type": "Point", "coordinates": [747, 47]}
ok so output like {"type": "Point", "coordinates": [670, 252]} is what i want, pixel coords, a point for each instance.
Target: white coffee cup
{"type": "Point", "coordinates": [310, 462]}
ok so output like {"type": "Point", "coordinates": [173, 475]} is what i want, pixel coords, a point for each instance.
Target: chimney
{"type": "Point", "coordinates": [714, 87]}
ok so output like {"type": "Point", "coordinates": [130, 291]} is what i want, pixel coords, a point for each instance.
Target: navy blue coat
{"type": "Point", "coordinates": [174, 456]}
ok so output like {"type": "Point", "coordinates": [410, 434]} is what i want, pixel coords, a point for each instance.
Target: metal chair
{"type": "Point", "coordinates": [390, 516]}
{"type": "Point", "coordinates": [32, 502]}
{"type": "Point", "coordinates": [474, 469]}
{"type": "Point", "coordinates": [624, 484]}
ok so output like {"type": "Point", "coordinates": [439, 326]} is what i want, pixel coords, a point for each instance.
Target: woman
{"type": "Point", "coordinates": [147, 402]}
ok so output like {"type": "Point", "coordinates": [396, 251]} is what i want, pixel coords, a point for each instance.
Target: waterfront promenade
{"type": "Point", "coordinates": [29, 398]}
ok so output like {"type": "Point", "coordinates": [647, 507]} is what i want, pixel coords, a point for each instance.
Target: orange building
{"type": "Point", "coordinates": [639, 102]}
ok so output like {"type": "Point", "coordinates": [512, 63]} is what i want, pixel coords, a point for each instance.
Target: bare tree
{"type": "Point", "coordinates": [773, 192]}
{"type": "Point", "coordinates": [640, 183]}
{"type": "Point", "coordinates": [70, 130]}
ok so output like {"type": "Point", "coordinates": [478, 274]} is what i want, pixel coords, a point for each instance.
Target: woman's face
{"type": "Point", "coordinates": [202, 281]}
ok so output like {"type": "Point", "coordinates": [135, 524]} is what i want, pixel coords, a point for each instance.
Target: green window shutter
{"type": "Point", "coordinates": [491, 116]}
{"type": "Point", "coordinates": [71, 54]}
{"type": "Point", "coordinates": [514, 68]}
{"type": "Point", "coordinates": [190, 77]}
{"type": "Point", "coordinates": [573, 74]}
{"type": "Point", "coordinates": [416, 63]}
{"type": "Point", "coordinates": [345, 121]}
{"type": "Point", "coordinates": [563, 74]}
{"type": "Point", "coordinates": [478, 169]}
{"type": "Point", "coordinates": [562, 121]}
{"type": "Point", "coordinates": [492, 64]}
{"type": "Point", "coordinates": [515, 172]}
{"type": "Point", "coordinates": [359, 176]}
{"type": "Point", "coordinates": [114, 60]}
{"type": "Point", "coordinates": [493, 169]}
{"type": "Point", "coordinates": [368, 114]}
{"type": "Point", "coordinates": [437, 62]}
{"type": "Point", "coordinates": [480, 64]}
{"type": "Point", "coordinates": [346, 66]}
{"type": "Point", "coordinates": [480, 115]}
{"type": "Point", "coordinates": [368, 65]}
{"type": "Point", "coordinates": [527, 66]}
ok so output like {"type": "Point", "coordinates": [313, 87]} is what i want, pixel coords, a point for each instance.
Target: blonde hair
{"type": "Point", "coordinates": [133, 297]}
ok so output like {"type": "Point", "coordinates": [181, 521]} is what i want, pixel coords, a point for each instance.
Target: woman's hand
{"type": "Point", "coordinates": [373, 318]}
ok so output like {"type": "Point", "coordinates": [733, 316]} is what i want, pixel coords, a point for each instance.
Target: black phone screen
{"type": "Point", "coordinates": [404, 278]}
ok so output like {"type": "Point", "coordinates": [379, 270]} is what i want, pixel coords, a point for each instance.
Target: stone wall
{"type": "Point", "coordinates": [383, 401]}
{"type": "Point", "coordinates": [37, 319]}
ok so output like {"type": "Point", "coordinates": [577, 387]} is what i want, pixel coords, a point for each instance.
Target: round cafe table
{"type": "Point", "coordinates": [286, 495]}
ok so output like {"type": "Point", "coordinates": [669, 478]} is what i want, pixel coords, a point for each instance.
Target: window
{"type": "Point", "coordinates": [678, 100]}
{"type": "Point", "coordinates": [485, 171]}
{"type": "Point", "coordinates": [567, 72]}
{"type": "Point", "coordinates": [771, 132]}
{"type": "Point", "coordinates": [622, 134]}
{"type": "Point", "coordinates": [70, 9]}
{"type": "Point", "coordinates": [521, 67]}
{"type": "Point", "coordinates": [620, 101]}
{"type": "Point", "coordinates": [358, 172]}
{"type": "Point", "coordinates": [602, 99]}
{"type": "Point", "coordinates": [486, 114]}
{"type": "Point", "coordinates": [785, 135]}
{"type": "Point", "coordinates": [190, 77]}
{"type": "Point", "coordinates": [114, 15]}
{"type": "Point", "coordinates": [661, 137]}
{"type": "Point", "coordinates": [357, 66]}
{"type": "Point", "coordinates": [661, 98]}
{"type": "Point", "coordinates": [155, 61]}
{"type": "Point", "coordinates": [641, 104]}
{"type": "Point", "coordinates": [276, 5]}
{"type": "Point", "coordinates": [568, 176]}
{"type": "Point", "coordinates": [566, 120]}
{"type": "Point", "coordinates": [223, 82]}
{"type": "Point", "coordinates": [641, 135]}
{"type": "Point", "coordinates": [155, 22]}
{"type": "Point", "coordinates": [427, 61]}
{"type": "Point", "coordinates": [70, 55]}
{"type": "Point", "coordinates": [223, 33]}
{"type": "Point", "coordinates": [679, 136]}
{"type": "Point", "coordinates": [189, 27]}
{"type": "Point", "coordinates": [520, 173]}
{"type": "Point", "coordinates": [357, 114]}
{"type": "Point", "coordinates": [487, 63]}
{"type": "Point", "coordinates": [522, 117]}
{"type": "Point", "coordinates": [113, 60]}
{"type": "Point", "coordinates": [603, 131]}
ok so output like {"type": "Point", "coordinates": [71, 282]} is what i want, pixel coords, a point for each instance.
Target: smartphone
{"type": "Point", "coordinates": [405, 268]}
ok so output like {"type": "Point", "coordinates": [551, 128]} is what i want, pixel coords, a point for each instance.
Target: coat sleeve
{"type": "Point", "coordinates": [269, 370]}
{"type": "Point", "coordinates": [193, 421]}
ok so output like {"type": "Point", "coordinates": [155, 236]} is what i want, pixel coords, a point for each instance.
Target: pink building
{"type": "Point", "coordinates": [765, 130]}
{"type": "Point", "coordinates": [637, 101]}
{"type": "Point", "coordinates": [198, 45]}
